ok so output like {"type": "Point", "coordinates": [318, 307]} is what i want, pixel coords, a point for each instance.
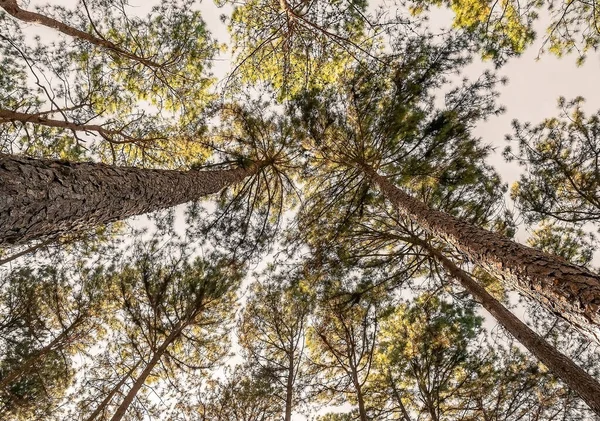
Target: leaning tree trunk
{"type": "Point", "coordinates": [112, 393]}
{"type": "Point", "coordinates": [570, 291]}
{"type": "Point", "coordinates": [43, 198]}
{"type": "Point", "coordinates": [141, 380]}
{"type": "Point", "coordinates": [13, 9]}
{"type": "Point", "coordinates": [29, 362]}
{"type": "Point", "coordinates": [362, 412]}
{"type": "Point", "coordinates": [560, 365]}
{"type": "Point", "coordinates": [28, 250]}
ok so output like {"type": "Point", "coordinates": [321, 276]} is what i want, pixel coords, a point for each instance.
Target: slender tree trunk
{"type": "Point", "coordinates": [289, 392]}
{"type": "Point", "coordinates": [139, 382]}
{"type": "Point", "coordinates": [13, 9]}
{"type": "Point", "coordinates": [112, 393]}
{"type": "Point", "coordinates": [29, 364]}
{"type": "Point", "coordinates": [41, 120]}
{"type": "Point", "coordinates": [41, 198]}
{"type": "Point", "coordinates": [564, 368]}
{"type": "Point", "coordinates": [28, 250]}
{"type": "Point", "coordinates": [362, 412]}
{"type": "Point", "coordinates": [396, 395]}
{"type": "Point", "coordinates": [568, 290]}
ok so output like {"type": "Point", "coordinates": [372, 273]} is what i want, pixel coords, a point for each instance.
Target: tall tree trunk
{"type": "Point", "coordinates": [397, 396]}
{"type": "Point", "coordinates": [41, 198]}
{"type": "Point", "coordinates": [289, 391]}
{"type": "Point", "coordinates": [29, 363]}
{"type": "Point", "coordinates": [362, 412]}
{"type": "Point", "coordinates": [13, 9]}
{"type": "Point", "coordinates": [563, 367]}
{"type": "Point", "coordinates": [568, 290]}
{"type": "Point", "coordinates": [139, 382]}
{"type": "Point", "coordinates": [112, 393]}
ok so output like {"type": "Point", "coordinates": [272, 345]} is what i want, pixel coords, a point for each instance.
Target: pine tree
{"type": "Point", "coordinates": [42, 198]}
{"type": "Point", "coordinates": [272, 333]}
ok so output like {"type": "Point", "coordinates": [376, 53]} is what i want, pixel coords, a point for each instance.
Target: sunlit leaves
{"type": "Point", "coordinates": [295, 45]}
{"type": "Point", "coordinates": [505, 28]}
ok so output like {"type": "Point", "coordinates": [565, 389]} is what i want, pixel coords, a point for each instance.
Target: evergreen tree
{"type": "Point", "coordinates": [172, 320]}
{"type": "Point", "coordinates": [272, 333]}
{"type": "Point", "coordinates": [97, 80]}
{"type": "Point", "coordinates": [365, 132]}
{"type": "Point", "coordinates": [562, 181]}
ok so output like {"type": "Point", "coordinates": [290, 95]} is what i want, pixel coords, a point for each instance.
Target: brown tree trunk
{"type": "Point", "coordinates": [289, 388]}
{"type": "Point", "coordinates": [362, 412]}
{"type": "Point", "coordinates": [564, 368]}
{"type": "Point", "coordinates": [568, 290]}
{"type": "Point", "coordinates": [13, 9]}
{"type": "Point", "coordinates": [28, 250]}
{"type": "Point", "coordinates": [41, 198]}
{"type": "Point", "coordinates": [41, 120]}
{"type": "Point", "coordinates": [398, 398]}
{"type": "Point", "coordinates": [112, 393]}
{"type": "Point", "coordinates": [139, 382]}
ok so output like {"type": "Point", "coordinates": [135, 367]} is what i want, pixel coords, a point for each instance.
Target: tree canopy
{"type": "Point", "coordinates": [317, 232]}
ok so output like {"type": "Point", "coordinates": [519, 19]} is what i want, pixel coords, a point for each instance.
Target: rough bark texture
{"type": "Point", "coordinates": [565, 289]}
{"type": "Point", "coordinates": [13, 9]}
{"type": "Point", "coordinates": [563, 367]}
{"type": "Point", "coordinates": [42, 198]}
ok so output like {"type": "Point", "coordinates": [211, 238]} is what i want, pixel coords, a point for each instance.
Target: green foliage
{"type": "Point", "coordinates": [573, 244]}
{"type": "Point", "coordinates": [46, 318]}
{"type": "Point", "coordinates": [428, 358]}
{"type": "Point", "coordinates": [35, 394]}
{"type": "Point", "coordinates": [505, 29]}
{"type": "Point", "coordinates": [390, 123]}
{"type": "Point", "coordinates": [249, 214]}
{"type": "Point", "coordinates": [295, 45]}
{"type": "Point", "coordinates": [159, 313]}
{"type": "Point", "coordinates": [272, 332]}
{"type": "Point", "coordinates": [244, 394]}
{"type": "Point", "coordinates": [562, 181]}
{"type": "Point", "coordinates": [143, 101]}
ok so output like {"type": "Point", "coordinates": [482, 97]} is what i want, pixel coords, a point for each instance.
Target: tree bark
{"type": "Point", "coordinates": [362, 412]}
{"type": "Point", "coordinates": [112, 393]}
{"type": "Point", "coordinates": [564, 368]}
{"type": "Point", "coordinates": [42, 198]}
{"type": "Point", "coordinates": [28, 250]}
{"type": "Point", "coordinates": [40, 119]}
{"type": "Point", "coordinates": [397, 396]}
{"type": "Point", "coordinates": [568, 290]}
{"type": "Point", "coordinates": [13, 9]}
{"type": "Point", "coordinates": [139, 382]}
{"type": "Point", "coordinates": [289, 388]}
